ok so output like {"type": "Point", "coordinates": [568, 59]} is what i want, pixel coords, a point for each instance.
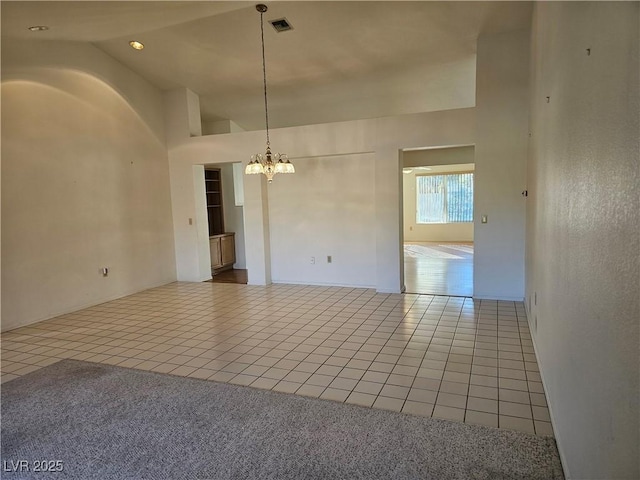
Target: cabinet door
{"type": "Point", "coordinates": [216, 252]}
{"type": "Point", "coordinates": [228, 250]}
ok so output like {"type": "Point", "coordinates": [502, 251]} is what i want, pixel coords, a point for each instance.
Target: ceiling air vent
{"type": "Point", "coordinates": [281, 25]}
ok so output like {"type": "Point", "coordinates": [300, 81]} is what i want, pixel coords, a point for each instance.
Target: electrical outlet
{"type": "Point", "coordinates": [485, 219]}
{"type": "Point", "coordinates": [313, 260]}
{"type": "Point", "coordinates": [191, 221]}
{"type": "Point", "coordinates": [329, 259]}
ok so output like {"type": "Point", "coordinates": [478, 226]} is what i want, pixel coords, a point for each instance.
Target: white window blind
{"type": "Point", "coordinates": [444, 198]}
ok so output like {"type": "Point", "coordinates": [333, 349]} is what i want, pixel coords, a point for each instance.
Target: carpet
{"type": "Point", "coordinates": [104, 422]}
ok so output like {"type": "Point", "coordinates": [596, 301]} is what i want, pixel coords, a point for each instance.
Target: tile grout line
{"type": "Point", "coordinates": [388, 318]}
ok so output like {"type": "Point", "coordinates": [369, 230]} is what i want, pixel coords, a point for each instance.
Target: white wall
{"type": "Point", "coordinates": [444, 155]}
{"type": "Point", "coordinates": [84, 181]}
{"type": "Point", "coordinates": [500, 136]}
{"type": "Point", "coordinates": [219, 127]}
{"type": "Point", "coordinates": [379, 139]}
{"type": "Point", "coordinates": [431, 232]}
{"type": "Point", "coordinates": [582, 231]}
{"type": "Point", "coordinates": [502, 97]}
{"type": "Point", "coordinates": [308, 219]}
{"type": "Point", "coordinates": [193, 109]}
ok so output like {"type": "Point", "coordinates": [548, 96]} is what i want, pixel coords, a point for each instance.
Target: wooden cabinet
{"type": "Point", "coordinates": [228, 247]}
{"type": "Point", "coordinates": [216, 253]}
{"type": "Point", "coordinates": [223, 252]}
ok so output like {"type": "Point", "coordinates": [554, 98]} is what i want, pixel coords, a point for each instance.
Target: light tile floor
{"type": "Point", "coordinates": [448, 357]}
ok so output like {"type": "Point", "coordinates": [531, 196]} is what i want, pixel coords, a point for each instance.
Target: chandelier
{"type": "Point", "coordinates": [269, 164]}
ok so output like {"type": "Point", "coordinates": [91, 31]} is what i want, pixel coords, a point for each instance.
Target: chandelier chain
{"type": "Point", "coordinates": [267, 164]}
{"type": "Point", "coordinates": [264, 77]}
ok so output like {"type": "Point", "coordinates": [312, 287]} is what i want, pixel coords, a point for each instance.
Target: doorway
{"type": "Point", "coordinates": [225, 217]}
{"type": "Point", "coordinates": [438, 221]}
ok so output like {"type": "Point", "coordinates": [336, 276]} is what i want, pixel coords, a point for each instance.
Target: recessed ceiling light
{"type": "Point", "coordinates": [38, 28]}
{"type": "Point", "coordinates": [137, 45]}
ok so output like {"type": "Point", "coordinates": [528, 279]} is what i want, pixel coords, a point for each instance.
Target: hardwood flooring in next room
{"type": "Point", "coordinates": [231, 276]}
{"type": "Point", "coordinates": [439, 268]}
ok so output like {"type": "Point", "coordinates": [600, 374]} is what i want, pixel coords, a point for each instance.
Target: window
{"type": "Point", "coordinates": [444, 198]}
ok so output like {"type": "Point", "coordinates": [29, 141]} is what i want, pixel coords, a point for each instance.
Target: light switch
{"type": "Point", "coordinates": [484, 219]}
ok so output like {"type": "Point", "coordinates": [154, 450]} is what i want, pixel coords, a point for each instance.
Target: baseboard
{"type": "Point", "coordinates": [498, 298]}
{"type": "Point", "coordinates": [565, 468]}
{"type": "Point", "coordinates": [322, 284]}
{"type": "Point", "coordinates": [82, 306]}
{"type": "Point", "coordinates": [387, 290]}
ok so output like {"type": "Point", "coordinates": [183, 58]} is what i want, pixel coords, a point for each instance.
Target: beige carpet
{"type": "Point", "coordinates": [105, 422]}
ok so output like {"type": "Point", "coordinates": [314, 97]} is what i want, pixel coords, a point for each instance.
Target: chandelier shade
{"type": "Point", "coordinates": [268, 163]}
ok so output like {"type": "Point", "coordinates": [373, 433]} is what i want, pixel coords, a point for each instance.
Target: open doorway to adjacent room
{"type": "Point", "coordinates": [223, 185]}
{"type": "Point", "coordinates": [438, 220]}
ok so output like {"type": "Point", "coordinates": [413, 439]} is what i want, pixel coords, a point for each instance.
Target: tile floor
{"type": "Point", "coordinates": [446, 357]}
{"type": "Point", "coordinates": [439, 268]}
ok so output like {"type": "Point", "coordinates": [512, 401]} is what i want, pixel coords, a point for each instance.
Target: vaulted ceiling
{"type": "Point", "coordinates": [343, 60]}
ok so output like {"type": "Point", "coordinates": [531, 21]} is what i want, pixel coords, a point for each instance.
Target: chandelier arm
{"type": "Point", "coordinates": [264, 76]}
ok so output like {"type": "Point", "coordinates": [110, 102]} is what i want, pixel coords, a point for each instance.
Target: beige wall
{"type": "Point", "coordinates": [311, 149]}
{"type": "Point", "coordinates": [500, 177]}
{"type": "Point", "coordinates": [583, 245]}
{"type": "Point", "coordinates": [500, 157]}
{"type": "Point", "coordinates": [85, 181]}
{"type": "Point", "coordinates": [307, 221]}
{"type": "Point", "coordinates": [448, 155]}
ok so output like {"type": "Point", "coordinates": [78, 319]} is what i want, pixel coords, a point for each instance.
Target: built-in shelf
{"type": "Point", "coordinates": [213, 192]}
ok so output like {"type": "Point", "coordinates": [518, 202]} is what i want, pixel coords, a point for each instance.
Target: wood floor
{"type": "Point", "coordinates": [439, 268]}
{"type": "Point", "coordinates": [231, 276]}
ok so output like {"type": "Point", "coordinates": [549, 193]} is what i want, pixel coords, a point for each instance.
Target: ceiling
{"type": "Point", "coordinates": [342, 61]}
